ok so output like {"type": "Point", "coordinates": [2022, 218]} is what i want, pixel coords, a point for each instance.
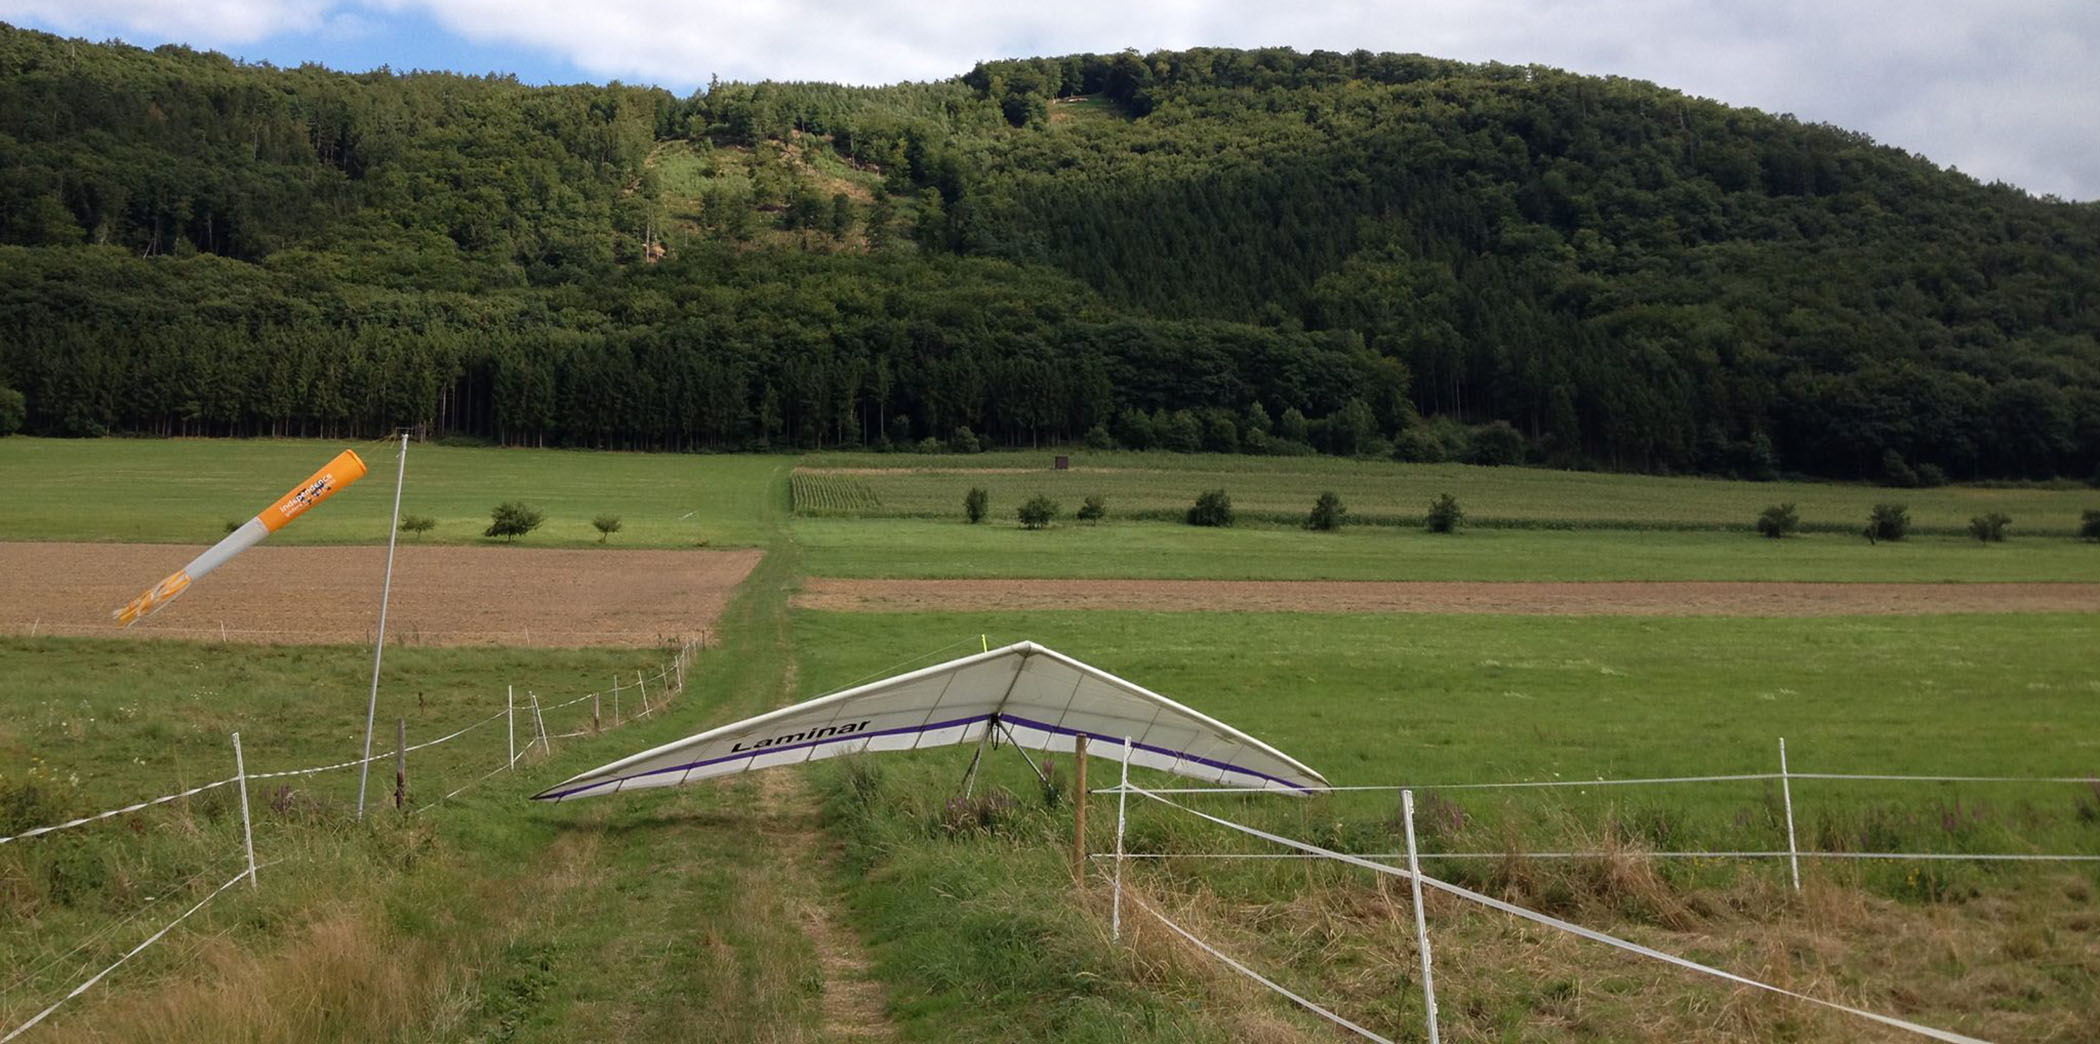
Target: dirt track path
{"type": "Point", "coordinates": [1613, 598]}
{"type": "Point", "coordinates": [441, 595]}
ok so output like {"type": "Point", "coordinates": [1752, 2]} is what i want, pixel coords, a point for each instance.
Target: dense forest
{"type": "Point", "coordinates": [1253, 251]}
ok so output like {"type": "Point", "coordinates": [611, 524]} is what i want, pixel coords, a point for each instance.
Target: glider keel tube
{"type": "Point", "coordinates": [1044, 699]}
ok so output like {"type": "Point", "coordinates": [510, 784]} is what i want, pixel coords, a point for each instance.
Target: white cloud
{"type": "Point", "coordinates": [2006, 90]}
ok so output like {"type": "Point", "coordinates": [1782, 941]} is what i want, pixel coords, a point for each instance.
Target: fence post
{"type": "Point", "coordinates": [240, 773]}
{"type": "Point", "coordinates": [401, 764]}
{"type": "Point", "coordinates": [510, 717]}
{"type": "Point", "coordinates": [1414, 878]}
{"type": "Point", "coordinates": [1115, 909]}
{"type": "Point", "coordinates": [1786, 790]}
{"type": "Point", "coordinates": [539, 722]}
{"type": "Point", "coordinates": [616, 701]}
{"type": "Point", "coordinates": [1079, 811]}
{"type": "Point", "coordinates": [644, 686]}
{"type": "Point", "coordinates": [596, 726]}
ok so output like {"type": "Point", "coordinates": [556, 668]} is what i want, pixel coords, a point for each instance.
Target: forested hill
{"type": "Point", "coordinates": [1254, 250]}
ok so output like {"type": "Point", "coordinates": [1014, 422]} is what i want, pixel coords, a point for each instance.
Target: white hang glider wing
{"type": "Point", "coordinates": [1040, 698]}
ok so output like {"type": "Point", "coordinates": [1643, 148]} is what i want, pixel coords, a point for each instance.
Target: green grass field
{"type": "Point", "coordinates": [642, 917]}
{"type": "Point", "coordinates": [185, 491]}
{"type": "Point", "coordinates": [1281, 490]}
{"type": "Point", "coordinates": [1424, 701]}
{"type": "Point", "coordinates": [1001, 548]}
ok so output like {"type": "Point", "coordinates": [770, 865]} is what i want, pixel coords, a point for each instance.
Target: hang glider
{"type": "Point", "coordinates": [1038, 697]}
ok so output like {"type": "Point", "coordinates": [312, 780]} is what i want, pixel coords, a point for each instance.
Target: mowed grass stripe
{"type": "Point", "coordinates": [951, 549]}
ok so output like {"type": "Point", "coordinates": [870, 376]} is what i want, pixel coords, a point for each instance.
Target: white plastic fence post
{"type": "Point", "coordinates": [1786, 790]}
{"type": "Point", "coordinates": [510, 717]}
{"type": "Point", "coordinates": [539, 722]}
{"type": "Point", "coordinates": [1414, 877]}
{"type": "Point", "coordinates": [616, 699]}
{"type": "Point", "coordinates": [1115, 907]}
{"type": "Point", "coordinates": [240, 772]}
{"type": "Point", "coordinates": [644, 686]}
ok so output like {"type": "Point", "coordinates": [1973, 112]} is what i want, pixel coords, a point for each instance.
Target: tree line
{"type": "Point", "coordinates": [1379, 253]}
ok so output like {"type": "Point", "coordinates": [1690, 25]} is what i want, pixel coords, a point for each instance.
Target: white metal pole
{"type": "Point", "coordinates": [1115, 903]}
{"type": "Point", "coordinates": [386, 590]}
{"type": "Point", "coordinates": [1786, 790]}
{"type": "Point", "coordinates": [1414, 877]}
{"type": "Point", "coordinates": [510, 717]}
{"type": "Point", "coordinates": [240, 771]}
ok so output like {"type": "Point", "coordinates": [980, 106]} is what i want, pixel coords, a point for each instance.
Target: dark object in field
{"type": "Point", "coordinates": [1445, 516]}
{"type": "Point", "coordinates": [1062, 463]}
{"type": "Point", "coordinates": [1094, 509]}
{"type": "Point", "coordinates": [975, 503]}
{"type": "Point", "coordinates": [1990, 528]}
{"type": "Point", "coordinates": [1888, 522]}
{"type": "Point", "coordinates": [1037, 512]}
{"type": "Point", "coordinates": [2089, 526]}
{"type": "Point", "coordinates": [1779, 520]}
{"type": "Point", "coordinates": [1212, 508]}
{"type": "Point", "coordinates": [1327, 513]}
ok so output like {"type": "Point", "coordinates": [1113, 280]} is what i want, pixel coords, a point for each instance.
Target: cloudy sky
{"type": "Point", "coordinates": [2005, 90]}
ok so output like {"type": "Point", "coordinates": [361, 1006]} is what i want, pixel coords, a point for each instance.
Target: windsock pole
{"type": "Point", "coordinates": [386, 591]}
{"type": "Point", "coordinates": [346, 468]}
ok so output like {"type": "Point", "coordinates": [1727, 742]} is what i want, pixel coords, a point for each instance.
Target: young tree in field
{"type": "Point", "coordinates": [417, 525]}
{"type": "Point", "coordinates": [2089, 526]}
{"type": "Point", "coordinates": [1094, 509]}
{"type": "Point", "coordinates": [1445, 516]}
{"type": "Point", "coordinates": [1888, 522]}
{"type": "Point", "coordinates": [1990, 528]}
{"type": "Point", "coordinates": [511, 520]}
{"type": "Point", "coordinates": [975, 503]}
{"type": "Point", "coordinates": [1212, 508]}
{"type": "Point", "coordinates": [1778, 520]}
{"type": "Point", "coordinates": [1037, 512]}
{"type": "Point", "coordinates": [606, 525]}
{"type": "Point", "coordinates": [1327, 513]}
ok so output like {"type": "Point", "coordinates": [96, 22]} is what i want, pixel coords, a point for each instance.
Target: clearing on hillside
{"type": "Point", "coordinates": [321, 595]}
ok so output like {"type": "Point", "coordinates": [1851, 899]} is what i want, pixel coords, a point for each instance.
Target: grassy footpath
{"type": "Point", "coordinates": [1001, 548]}
{"type": "Point", "coordinates": [1282, 490]}
{"type": "Point", "coordinates": [185, 491]}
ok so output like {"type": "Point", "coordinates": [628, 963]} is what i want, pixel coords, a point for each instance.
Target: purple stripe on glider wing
{"type": "Point", "coordinates": [553, 795]}
{"type": "Point", "coordinates": [1013, 719]}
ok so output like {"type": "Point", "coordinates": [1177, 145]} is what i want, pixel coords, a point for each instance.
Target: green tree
{"type": "Point", "coordinates": [14, 410]}
{"type": "Point", "coordinates": [1989, 528]}
{"type": "Point", "coordinates": [1445, 516]}
{"type": "Point", "coordinates": [1778, 520]}
{"type": "Point", "coordinates": [1327, 512]}
{"type": "Point", "coordinates": [1037, 512]}
{"type": "Point", "coordinates": [606, 525]}
{"type": "Point", "coordinates": [1888, 522]}
{"type": "Point", "coordinates": [511, 520]}
{"type": "Point", "coordinates": [417, 525]}
{"type": "Point", "coordinates": [1094, 509]}
{"type": "Point", "coordinates": [975, 503]}
{"type": "Point", "coordinates": [1212, 508]}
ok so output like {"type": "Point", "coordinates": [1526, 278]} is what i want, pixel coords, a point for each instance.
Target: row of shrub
{"type": "Point", "coordinates": [508, 520]}
{"type": "Point", "coordinates": [1889, 521]}
{"type": "Point", "coordinates": [1212, 508]}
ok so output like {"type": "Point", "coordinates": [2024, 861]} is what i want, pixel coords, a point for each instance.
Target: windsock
{"type": "Point", "coordinates": [346, 468]}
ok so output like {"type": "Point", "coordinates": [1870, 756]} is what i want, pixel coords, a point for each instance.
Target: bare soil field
{"type": "Point", "coordinates": [1609, 598]}
{"type": "Point", "coordinates": [321, 595]}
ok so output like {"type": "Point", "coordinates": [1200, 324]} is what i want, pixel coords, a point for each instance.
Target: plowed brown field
{"type": "Point", "coordinates": [441, 595]}
{"type": "Point", "coordinates": [1543, 599]}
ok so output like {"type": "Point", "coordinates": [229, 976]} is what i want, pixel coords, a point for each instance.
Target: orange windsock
{"type": "Point", "coordinates": [346, 468]}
